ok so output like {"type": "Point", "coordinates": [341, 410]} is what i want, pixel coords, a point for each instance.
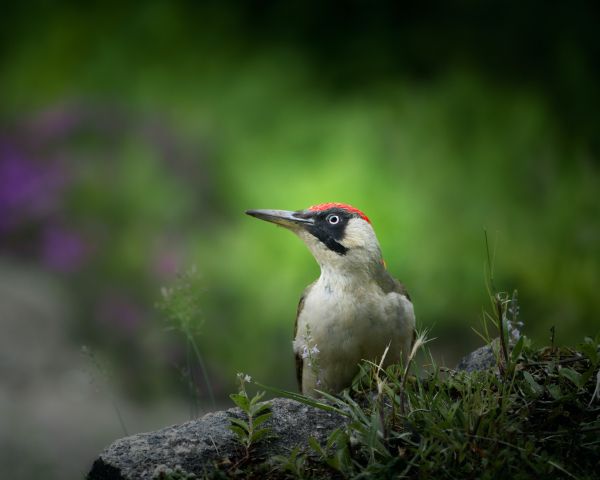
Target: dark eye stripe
{"type": "Point", "coordinates": [327, 239]}
{"type": "Point", "coordinates": [329, 228]}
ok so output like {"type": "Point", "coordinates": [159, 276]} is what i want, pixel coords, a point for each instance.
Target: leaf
{"type": "Point", "coordinates": [311, 402]}
{"type": "Point", "coordinates": [585, 376]}
{"type": "Point", "coordinates": [341, 457]}
{"type": "Point", "coordinates": [316, 446]}
{"type": "Point", "coordinates": [256, 398]}
{"type": "Point", "coordinates": [259, 434]}
{"type": "Point", "coordinates": [241, 400]}
{"type": "Point", "coordinates": [336, 437]}
{"type": "Point", "coordinates": [261, 419]}
{"type": "Point", "coordinates": [258, 409]}
{"type": "Point", "coordinates": [555, 391]}
{"type": "Point", "coordinates": [355, 409]}
{"type": "Point", "coordinates": [590, 350]}
{"type": "Point", "coordinates": [241, 423]}
{"type": "Point", "coordinates": [572, 375]}
{"type": "Point", "coordinates": [241, 434]}
{"type": "Point", "coordinates": [516, 351]}
{"type": "Point", "coordinates": [373, 431]}
{"type": "Point", "coordinates": [534, 387]}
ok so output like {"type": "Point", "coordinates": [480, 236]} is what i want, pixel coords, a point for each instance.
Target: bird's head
{"type": "Point", "coordinates": [338, 235]}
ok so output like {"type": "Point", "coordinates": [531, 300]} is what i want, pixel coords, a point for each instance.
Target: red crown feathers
{"type": "Point", "coordinates": [349, 208]}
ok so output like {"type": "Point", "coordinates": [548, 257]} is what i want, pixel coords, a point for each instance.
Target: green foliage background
{"type": "Point", "coordinates": [438, 125]}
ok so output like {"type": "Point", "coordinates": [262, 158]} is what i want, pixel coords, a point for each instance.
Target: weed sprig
{"type": "Point", "coordinates": [181, 305]}
{"type": "Point", "coordinates": [248, 431]}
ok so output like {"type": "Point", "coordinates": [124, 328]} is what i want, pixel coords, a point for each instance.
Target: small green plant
{"type": "Point", "coordinates": [163, 472]}
{"type": "Point", "coordinates": [248, 431]}
{"type": "Point", "coordinates": [294, 465]}
{"type": "Point", "coordinates": [504, 318]}
{"type": "Point", "coordinates": [181, 305]}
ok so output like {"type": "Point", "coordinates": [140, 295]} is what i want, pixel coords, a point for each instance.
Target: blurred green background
{"type": "Point", "coordinates": [133, 137]}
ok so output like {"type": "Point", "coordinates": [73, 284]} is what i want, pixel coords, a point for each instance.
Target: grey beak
{"type": "Point", "coordinates": [284, 218]}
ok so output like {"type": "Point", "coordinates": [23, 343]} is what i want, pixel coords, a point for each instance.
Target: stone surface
{"type": "Point", "coordinates": [480, 359]}
{"type": "Point", "coordinates": [200, 444]}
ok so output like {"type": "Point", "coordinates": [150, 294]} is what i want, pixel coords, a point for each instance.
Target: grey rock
{"type": "Point", "coordinates": [480, 359]}
{"type": "Point", "coordinates": [199, 445]}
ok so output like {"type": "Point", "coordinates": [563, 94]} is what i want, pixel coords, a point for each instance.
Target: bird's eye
{"type": "Point", "coordinates": [333, 219]}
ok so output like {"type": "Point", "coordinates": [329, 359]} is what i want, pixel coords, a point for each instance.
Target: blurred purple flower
{"type": "Point", "coordinates": [166, 264]}
{"type": "Point", "coordinates": [28, 189]}
{"type": "Point", "coordinates": [116, 310]}
{"type": "Point", "coordinates": [62, 249]}
{"type": "Point", "coordinates": [56, 122]}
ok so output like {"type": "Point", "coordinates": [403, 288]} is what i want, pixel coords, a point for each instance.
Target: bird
{"type": "Point", "coordinates": [355, 309]}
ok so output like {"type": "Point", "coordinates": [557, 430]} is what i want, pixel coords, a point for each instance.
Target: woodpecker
{"type": "Point", "coordinates": [355, 309]}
